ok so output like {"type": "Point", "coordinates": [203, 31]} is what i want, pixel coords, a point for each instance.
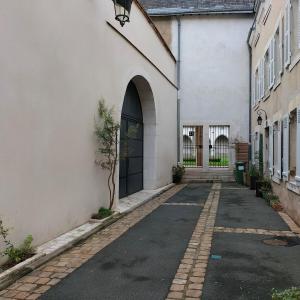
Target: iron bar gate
{"type": "Point", "coordinates": [218, 146]}
{"type": "Point", "coordinates": [193, 146]}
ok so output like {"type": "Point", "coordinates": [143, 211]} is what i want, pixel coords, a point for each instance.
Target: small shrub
{"type": "Point", "coordinates": [289, 294]}
{"type": "Point", "coordinates": [19, 254]}
{"type": "Point", "coordinates": [15, 254]}
{"type": "Point", "coordinates": [267, 196]}
{"type": "Point", "coordinates": [178, 172]}
{"type": "Point", "coordinates": [266, 185]}
{"type": "Point", "coordinates": [103, 213]}
{"type": "Point", "coordinates": [253, 172]}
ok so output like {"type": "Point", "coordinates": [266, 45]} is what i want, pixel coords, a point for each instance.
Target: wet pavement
{"type": "Point", "coordinates": [202, 241]}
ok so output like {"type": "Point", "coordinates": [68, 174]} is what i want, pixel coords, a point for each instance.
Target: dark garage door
{"type": "Point", "coordinates": [131, 144]}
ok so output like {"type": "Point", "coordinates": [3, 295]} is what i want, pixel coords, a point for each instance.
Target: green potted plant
{"type": "Point", "coordinates": [263, 187]}
{"type": "Point", "coordinates": [253, 174]}
{"type": "Point", "coordinates": [178, 172]}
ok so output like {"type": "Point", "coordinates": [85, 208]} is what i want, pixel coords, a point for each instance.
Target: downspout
{"type": "Point", "coordinates": [250, 102]}
{"type": "Point", "coordinates": [178, 86]}
{"type": "Point", "coordinates": [256, 9]}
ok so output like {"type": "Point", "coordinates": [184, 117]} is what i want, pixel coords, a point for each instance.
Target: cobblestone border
{"type": "Point", "coordinates": [39, 281]}
{"type": "Point", "coordinates": [189, 279]}
{"type": "Point", "coordinates": [255, 231]}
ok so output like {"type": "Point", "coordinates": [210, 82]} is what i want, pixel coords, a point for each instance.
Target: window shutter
{"type": "Point", "coordinates": [259, 81]}
{"type": "Point", "coordinates": [278, 167]}
{"type": "Point", "coordinates": [280, 47]}
{"type": "Point", "coordinates": [256, 88]}
{"type": "Point", "coordinates": [272, 63]}
{"type": "Point", "coordinates": [271, 151]}
{"type": "Point", "coordinates": [253, 89]}
{"type": "Point", "coordinates": [270, 66]}
{"type": "Point", "coordinates": [287, 34]}
{"type": "Point", "coordinates": [298, 148]}
{"type": "Point", "coordinates": [253, 150]}
{"type": "Point", "coordinates": [299, 24]}
{"type": "Point", "coordinates": [262, 78]}
{"type": "Point", "coordinates": [286, 142]}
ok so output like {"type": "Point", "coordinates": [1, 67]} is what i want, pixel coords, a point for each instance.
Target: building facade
{"type": "Point", "coordinates": [209, 40]}
{"type": "Point", "coordinates": [275, 43]}
{"type": "Point", "coordinates": [58, 59]}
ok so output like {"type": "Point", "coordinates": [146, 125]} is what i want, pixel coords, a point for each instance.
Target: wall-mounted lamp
{"type": "Point", "coordinates": [122, 10]}
{"type": "Point", "coordinates": [259, 119]}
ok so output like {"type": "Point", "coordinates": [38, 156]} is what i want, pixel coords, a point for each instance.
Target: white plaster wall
{"type": "Point", "coordinates": [58, 58]}
{"type": "Point", "coordinates": [215, 74]}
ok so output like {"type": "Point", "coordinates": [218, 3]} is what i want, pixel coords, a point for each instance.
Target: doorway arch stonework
{"type": "Point", "coordinates": [149, 131]}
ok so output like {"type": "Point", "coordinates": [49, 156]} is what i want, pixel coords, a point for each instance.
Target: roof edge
{"type": "Point", "coordinates": [161, 13]}
{"type": "Point", "coordinates": [158, 34]}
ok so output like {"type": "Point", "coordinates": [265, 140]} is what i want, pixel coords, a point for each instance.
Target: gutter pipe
{"type": "Point", "coordinates": [179, 86]}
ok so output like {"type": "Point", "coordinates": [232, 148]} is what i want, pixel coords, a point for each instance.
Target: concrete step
{"type": "Point", "coordinates": [200, 175]}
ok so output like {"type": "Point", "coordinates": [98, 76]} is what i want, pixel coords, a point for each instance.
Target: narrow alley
{"type": "Point", "coordinates": [215, 241]}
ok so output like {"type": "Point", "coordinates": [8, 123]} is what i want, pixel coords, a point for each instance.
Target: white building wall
{"type": "Point", "coordinates": [215, 74]}
{"type": "Point", "coordinates": [58, 58]}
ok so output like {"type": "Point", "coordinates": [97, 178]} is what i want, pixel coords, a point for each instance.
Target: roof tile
{"type": "Point", "coordinates": [196, 6]}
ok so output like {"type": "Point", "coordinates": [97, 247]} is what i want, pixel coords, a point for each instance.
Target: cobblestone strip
{"type": "Point", "coordinates": [42, 279]}
{"type": "Point", "coordinates": [189, 279]}
{"type": "Point", "coordinates": [255, 231]}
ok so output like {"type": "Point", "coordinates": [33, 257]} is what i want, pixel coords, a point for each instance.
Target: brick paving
{"type": "Point", "coordinates": [39, 281]}
{"type": "Point", "coordinates": [256, 231]}
{"type": "Point", "coordinates": [189, 279]}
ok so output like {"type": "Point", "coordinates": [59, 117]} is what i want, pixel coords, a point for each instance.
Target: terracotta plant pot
{"type": "Point", "coordinates": [277, 207]}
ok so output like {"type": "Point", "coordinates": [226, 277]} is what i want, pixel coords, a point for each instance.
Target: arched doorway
{"type": "Point", "coordinates": [131, 144]}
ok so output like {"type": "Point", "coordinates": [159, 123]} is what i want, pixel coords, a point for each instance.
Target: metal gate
{"type": "Point", "coordinates": [218, 146]}
{"type": "Point", "coordinates": [131, 144]}
{"type": "Point", "coordinates": [193, 146]}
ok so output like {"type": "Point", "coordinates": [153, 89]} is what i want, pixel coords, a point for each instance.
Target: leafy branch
{"type": "Point", "coordinates": [106, 131]}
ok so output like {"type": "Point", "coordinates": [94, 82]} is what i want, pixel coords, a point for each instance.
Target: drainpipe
{"type": "Point", "coordinates": [178, 85]}
{"type": "Point", "coordinates": [250, 102]}
{"type": "Point", "coordinates": [256, 9]}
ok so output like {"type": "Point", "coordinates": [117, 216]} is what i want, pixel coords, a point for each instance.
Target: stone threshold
{"type": "Point", "coordinates": [53, 248]}
{"type": "Point", "coordinates": [133, 201]}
